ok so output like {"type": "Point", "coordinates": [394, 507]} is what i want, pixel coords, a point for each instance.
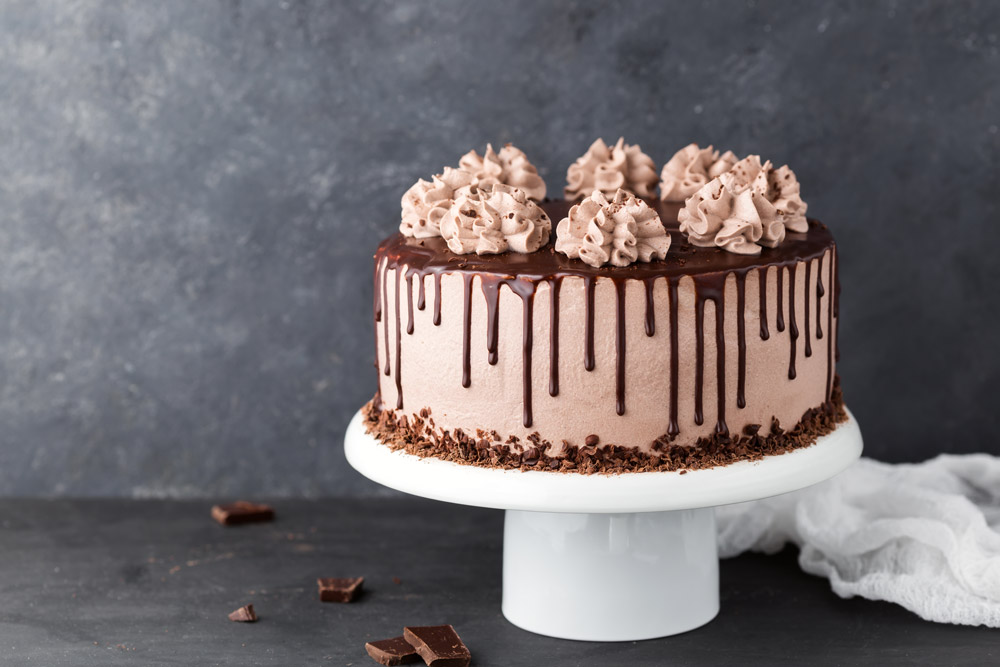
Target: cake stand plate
{"type": "Point", "coordinates": [606, 557]}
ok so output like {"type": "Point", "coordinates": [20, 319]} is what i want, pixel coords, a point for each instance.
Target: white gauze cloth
{"type": "Point", "coordinates": [925, 536]}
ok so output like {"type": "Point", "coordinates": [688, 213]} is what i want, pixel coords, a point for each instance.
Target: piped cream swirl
{"type": "Point", "coordinates": [494, 219]}
{"type": "Point", "coordinates": [778, 186]}
{"type": "Point", "coordinates": [426, 202]}
{"type": "Point", "coordinates": [609, 169]}
{"type": "Point", "coordinates": [510, 167]}
{"type": "Point", "coordinates": [619, 231]}
{"type": "Point", "coordinates": [690, 168]}
{"type": "Point", "coordinates": [749, 206]}
{"type": "Point", "coordinates": [726, 215]}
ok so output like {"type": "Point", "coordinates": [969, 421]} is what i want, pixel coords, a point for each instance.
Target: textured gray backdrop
{"type": "Point", "coordinates": [190, 193]}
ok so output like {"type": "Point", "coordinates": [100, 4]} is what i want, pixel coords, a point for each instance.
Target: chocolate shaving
{"type": "Point", "coordinates": [332, 589]}
{"type": "Point", "coordinates": [395, 651]}
{"type": "Point", "coordinates": [416, 435]}
{"type": "Point", "coordinates": [244, 614]}
{"type": "Point", "coordinates": [242, 511]}
{"type": "Point", "coordinates": [438, 645]}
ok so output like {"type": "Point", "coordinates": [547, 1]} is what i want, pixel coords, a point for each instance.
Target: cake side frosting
{"type": "Point", "coordinates": [633, 356]}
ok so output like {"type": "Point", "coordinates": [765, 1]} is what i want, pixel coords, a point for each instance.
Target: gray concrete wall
{"type": "Point", "coordinates": [190, 193]}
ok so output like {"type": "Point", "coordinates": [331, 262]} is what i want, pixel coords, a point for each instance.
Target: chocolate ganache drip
{"type": "Point", "coordinates": [709, 268]}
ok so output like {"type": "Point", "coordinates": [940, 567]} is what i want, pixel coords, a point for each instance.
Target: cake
{"type": "Point", "coordinates": [614, 329]}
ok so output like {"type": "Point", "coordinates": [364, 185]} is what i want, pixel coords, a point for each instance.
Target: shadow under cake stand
{"type": "Point", "coordinates": [606, 557]}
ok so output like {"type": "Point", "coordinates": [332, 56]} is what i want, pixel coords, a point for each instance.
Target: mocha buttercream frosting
{"type": "Point", "coordinates": [690, 168]}
{"type": "Point", "coordinates": [609, 169]}
{"type": "Point", "coordinates": [494, 219]}
{"type": "Point", "coordinates": [510, 167]}
{"type": "Point", "coordinates": [619, 231]}
{"type": "Point", "coordinates": [426, 202]}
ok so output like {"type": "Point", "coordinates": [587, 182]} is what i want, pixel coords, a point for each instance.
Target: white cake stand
{"type": "Point", "coordinates": [606, 557]}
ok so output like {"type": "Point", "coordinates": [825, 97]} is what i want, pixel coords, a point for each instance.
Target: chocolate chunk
{"type": "Point", "coordinates": [244, 615]}
{"type": "Point", "coordinates": [395, 651]}
{"type": "Point", "coordinates": [591, 440]}
{"type": "Point", "coordinates": [438, 645]}
{"type": "Point", "coordinates": [242, 512]}
{"type": "Point", "coordinates": [397, 581]}
{"type": "Point", "coordinates": [339, 590]}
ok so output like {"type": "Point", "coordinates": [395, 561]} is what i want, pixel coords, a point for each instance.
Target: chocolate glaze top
{"type": "Point", "coordinates": [682, 259]}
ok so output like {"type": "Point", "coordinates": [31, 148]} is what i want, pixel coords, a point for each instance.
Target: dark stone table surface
{"type": "Point", "coordinates": [114, 582]}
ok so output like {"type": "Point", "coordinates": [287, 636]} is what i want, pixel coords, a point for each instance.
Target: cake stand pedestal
{"type": "Point", "coordinates": [606, 557]}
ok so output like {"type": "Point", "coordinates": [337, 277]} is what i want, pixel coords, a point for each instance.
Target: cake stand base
{"type": "Point", "coordinates": [606, 557]}
{"type": "Point", "coordinates": [610, 577]}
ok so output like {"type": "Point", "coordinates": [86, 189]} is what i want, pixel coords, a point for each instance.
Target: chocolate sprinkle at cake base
{"type": "Point", "coordinates": [416, 435]}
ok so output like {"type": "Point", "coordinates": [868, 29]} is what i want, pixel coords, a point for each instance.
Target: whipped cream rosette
{"type": "Point", "coordinates": [609, 169]}
{"type": "Point", "coordinates": [495, 219]}
{"type": "Point", "coordinates": [426, 202]}
{"type": "Point", "coordinates": [749, 207]}
{"type": "Point", "coordinates": [778, 186]}
{"type": "Point", "coordinates": [690, 168]}
{"type": "Point", "coordinates": [510, 167]}
{"type": "Point", "coordinates": [618, 231]}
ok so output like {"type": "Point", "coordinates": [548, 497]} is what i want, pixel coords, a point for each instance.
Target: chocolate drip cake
{"type": "Point", "coordinates": [649, 334]}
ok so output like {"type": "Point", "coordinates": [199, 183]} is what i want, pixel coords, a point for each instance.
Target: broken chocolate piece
{"type": "Point", "coordinates": [339, 590]}
{"type": "Point", "coordinates": [244, 614]}
{"type": "Point", "coordinates": [438, 645]}
{"type": "Point", "coordinates": [242, 512]}
{"type": "Point", "coordinates": [395, 651]}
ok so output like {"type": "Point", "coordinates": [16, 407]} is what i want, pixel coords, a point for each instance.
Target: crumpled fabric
{"type": "Point", "coordinates": [925, 536]}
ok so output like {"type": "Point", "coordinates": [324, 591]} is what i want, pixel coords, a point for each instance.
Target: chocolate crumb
{"type": "Point", "coordinates": [395, 651]}
{"type": "Point", "coordinates": [438, 645]}
{"type": "Point", "coordinates": [333, 589]}
{"type": "Point", "coordinates": [242, 511]}
{"type": "Point", "coordinates": [244, 614]}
